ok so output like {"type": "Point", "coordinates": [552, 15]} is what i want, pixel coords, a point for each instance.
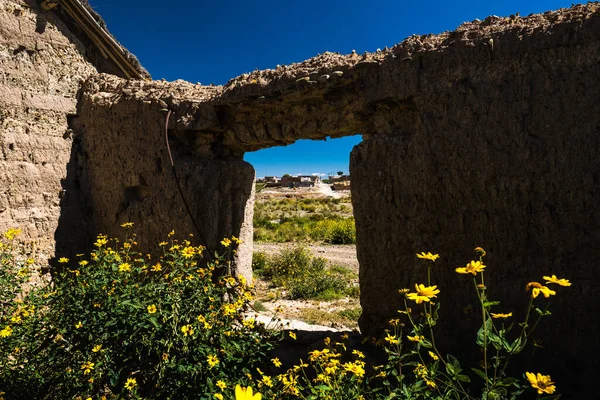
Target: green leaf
{"type": "Point", "coordinates": [518, 345]}
{"type": "Point", "coordinates": [154, 322]}
{"type": "Point", "coordinates": [452, 366]}
{"type": "Point", "coordinates": [450, 369]}
{"type": "Point", "coordinates": [488, 304]}
{"type": "Point", "coordinates": [542, 312]}
{"type": "Point", "coordinates": [130, 304]}
{"type": "Point", "coordinates": [479, 373]}
{"type": "Point", "coordinates": [553, 397]}
{"type": "Point", "coordinates": [480, 334]}
{"type": "Point", "coordinates": [464, 378]}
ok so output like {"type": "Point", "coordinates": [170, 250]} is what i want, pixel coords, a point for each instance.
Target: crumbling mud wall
{"type": "Point", "coordinates": [485, 136]}
{"type": "Point", "coordinates": [124, 164]}
{"type": "Point", "coordinates": [41, 69]}
{"type": "Point", "coordinates": [44, 59]}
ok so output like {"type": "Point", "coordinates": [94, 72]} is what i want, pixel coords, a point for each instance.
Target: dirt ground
{"type": "Point", "coordinates": [337, 314]}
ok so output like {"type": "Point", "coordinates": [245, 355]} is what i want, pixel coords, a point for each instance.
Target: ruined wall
{"type": "Point", "coordinates": [41, 69]}
{"type": "Point", "coordinates": [485, 136]}
{"type": "Point", "coordinates": [124, 166]}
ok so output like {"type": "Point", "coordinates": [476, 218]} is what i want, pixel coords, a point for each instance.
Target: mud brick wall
{"type": "Point", "coordinates": [484, 136]}
{"type": "Point", "coordinates": [41, 69]}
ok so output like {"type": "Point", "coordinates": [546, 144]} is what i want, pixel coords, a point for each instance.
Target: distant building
{"type": "Point", "coordinates": [300, 181]}
{"type": "Point", "coordinates": [272, 181]}
{"type": "Point", "coordinates": [339, 178]}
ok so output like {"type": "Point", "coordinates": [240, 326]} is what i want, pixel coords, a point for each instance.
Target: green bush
{"type": "Point", "coordinates": [305, 276]}
{"type": "Point", "coordinates": [119, 324]}
{"type": "Point", "coordinates": [259, 261]}
{"type": "Point", "coordinates": [343, 233]}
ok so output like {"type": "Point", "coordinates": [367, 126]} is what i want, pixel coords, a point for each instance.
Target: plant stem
{"type": "Point", "coordinates": [485, 343]}
{"type": "Point", "coordinates": [539, 318]}
{"type": "Point", "coordinates": [523, 333]}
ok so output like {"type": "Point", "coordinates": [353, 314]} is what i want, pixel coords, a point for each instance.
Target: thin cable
{"type": "Point", "coordinates": [187, 207]}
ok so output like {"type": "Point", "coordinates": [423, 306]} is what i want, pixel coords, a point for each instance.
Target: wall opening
{"type": "Point", "coordinates": [304, 232]}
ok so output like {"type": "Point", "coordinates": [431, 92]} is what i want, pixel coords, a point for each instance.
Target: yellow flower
{"type": "Point", "coordinates": [101, 241]}
{"type": "Point", "coordinates": [554, 279]}
{"type": "Point", "coordinates": [79, 325]}
{"type": "Point", "coordinates": [292, 335]}
{"type": "Point", "coordinates": [541, 382]}
{"type": "Point", "coordinates": [276, 362]}
{"type": "Point", "coordinates": [433, 356]}
{"type": "Point", "coordinates": [267, 381]}
{"type": "Point", "coordinates": [162, 244]}
{"type": "Point", "coordinates": [83, 263]}
{"type": "Point", "coordinates": [543, 290]}
{"type": "Point", "coordinates": [63, 260]}
{"type": "Point", "coordinates": [130, 383]}
{"type": "Point", "coordinates": [226, 242]}
{"type": "Point", "coordinates": [428, 256]}
{"type": "Point", "coordinates": [87, 367]}
{"type": "Point", "coordinates": [538, 288]}
{"type": "Point", "coordinates": [480, 251]}
{"type": "Point", "coordinates": [6, 332]}
{"type": "Point", "coordinates": [391, 339]}
{"type": "Point", "coordinates": [471, 268]}
{"type": "Point", "coordinates": [151, 309]}
{"type": "Point", "coordinates": [187, 330]}
{"type": "Point", "coordinates": [502, 315]}
{"type": "Point", "coordinates": [127, 225]}
{"type": "Point", "coordinates": [171, 233]}
{"type": "Point", "coordinates": [97, 348]}
{"type": "Point", "coordinates": [355, 368]}
{"type": "Point", "coordinates": [11, 233]}
{"type": "Point", "coordinates": [358, 354]}
{"type": "Point", "coordinates": [221, 385]}
{"type": "Point", "coordinates": [246, 393]}
{"type": "Point", "coordinates": [188, 252]}
{"type": "Point", "coordinates": [212, 360]}
{"type": "Point", "coordinates": [165, 356]}
{"type": "Point", "coordinates": [424, 293]}
{"type": "Point", "coordinates": [125, 267]}
{"type": "Point", "coordinates": [218, 396]}
{"type": "Point", "coordinates": [156, 267]}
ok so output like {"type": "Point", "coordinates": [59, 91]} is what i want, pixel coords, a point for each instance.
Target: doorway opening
{"type": "Point", "coordinates": [304, 257]}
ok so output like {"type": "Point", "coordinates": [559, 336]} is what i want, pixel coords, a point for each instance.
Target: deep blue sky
{"type": "Point", "coordinates": [213, 41]}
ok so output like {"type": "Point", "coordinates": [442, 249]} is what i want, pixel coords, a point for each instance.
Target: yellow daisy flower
{"type": "Point", "coordinates": [554, 279]}
{"type": "Point", "coordinates": [423, 293]}
{"type": "Point", "coordinates": [130, 383]}
{"type": "Point", "coordinates": [246, 393]}
{"type": "Point", "coordinates": [542, 383]}
{"type": "Point", "coordinates": [428, 256]}
{"type": "Point", "coordinates": [471, 268]}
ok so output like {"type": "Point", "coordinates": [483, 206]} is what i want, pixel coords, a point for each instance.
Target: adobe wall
{"type": "Point", "coordinates": [485, 136]}
{"type": "Point", "coordinates": [41, 69]}
{"type": "Point", "coordinates": [123, 164]}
